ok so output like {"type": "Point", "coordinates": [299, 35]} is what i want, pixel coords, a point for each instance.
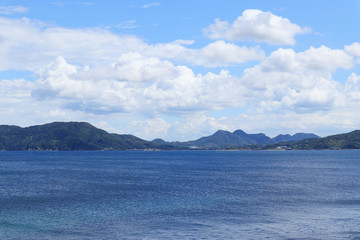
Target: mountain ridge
{"type": "Point", "coordinates": [70, 136]}
{"type": "Point", "coordinates": [222, 139]}
{"type": "Point", "coordinates": [350, 140]}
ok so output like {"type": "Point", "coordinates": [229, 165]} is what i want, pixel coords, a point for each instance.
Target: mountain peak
{"type": "Point", "coordinates": [296, 137]}
{"type": "Point", "coordinates": [66, 136]}
{"type": "Point", "coordinates": [239, 132]}
{"type": "Point", "coordinates": [84, 136]}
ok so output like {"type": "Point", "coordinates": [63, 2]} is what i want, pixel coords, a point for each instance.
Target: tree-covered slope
{"type": "Point", "coordinates": [67, 136]}
{"type": "Point", "coordinates": [349, 140]}
{"type": "Point", "coordinates": [220, 139]}
{"type": "Point", "coordinates": [84, 136]}
{"type": "Point", "coordinates": [296, 137]}
{"type": "Point", "coordinates": [237, 139]}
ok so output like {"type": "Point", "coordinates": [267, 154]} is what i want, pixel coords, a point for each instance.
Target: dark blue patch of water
{"type": "Point", "coordinates": [180, 195]}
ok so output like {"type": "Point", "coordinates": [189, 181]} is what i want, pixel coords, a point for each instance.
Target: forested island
{"type": "Point", "coordinates": [77, 136]}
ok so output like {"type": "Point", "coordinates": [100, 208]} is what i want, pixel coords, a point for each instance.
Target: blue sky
{"type": "Point", "coordinates": [179, 70]}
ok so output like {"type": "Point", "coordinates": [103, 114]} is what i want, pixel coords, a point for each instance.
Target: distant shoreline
{"type": "Point", "coordinates": [82, 136]}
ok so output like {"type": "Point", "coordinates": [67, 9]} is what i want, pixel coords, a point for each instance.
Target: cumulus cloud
{"type": "Point", "coordinates": [325, 59]}
{"type": "Point", "coordinates": [192, 127]}
{"type": "Point", "coordinates": [322, 59]}
{"type": "Point", "coordinates": [352, 87]}
{"type": "Point", "coordinates": [61, 80]}
{"type": "Point", "coordinates": [91, 74]}
{"type": "Point", "coordinates": [284, 82]}
{"type": "Point", "coordinates": [18, 107]}
{"type": "Point", "coordinates": [23, 40]}
{"type": "Point", "coordinates": [15, 90]}
{"type": "Point", "coordinates": [135, 84]}
{"type": "Point", "coordinates": [323, 123]}
{"type": "Point", "coordinates": [195, 126]}
{"type": "Point", "coordinates": [299, 82]}
{"type": "Point", "coordinates": [256, 25]}
{"type": "Point", "coordinates": [149, 128]}
{"type": "Point", "coordinates": [353, 49]}
{"type": "Point", "coordinates": [216, 54]}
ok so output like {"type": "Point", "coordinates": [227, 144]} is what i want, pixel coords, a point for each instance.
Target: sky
{"type": "Point", "coordinates": [180, 70]}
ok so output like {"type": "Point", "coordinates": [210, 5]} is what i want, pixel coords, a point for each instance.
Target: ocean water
{"type": "Point", "coordinates": [180, 195]}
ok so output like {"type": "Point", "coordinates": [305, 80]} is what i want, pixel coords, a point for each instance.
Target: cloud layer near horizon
{"type": "Point", "coordinates": [94, 74]}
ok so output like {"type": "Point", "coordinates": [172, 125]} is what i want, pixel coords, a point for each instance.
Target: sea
{"type": "Point", "coordinates": [180, 195]}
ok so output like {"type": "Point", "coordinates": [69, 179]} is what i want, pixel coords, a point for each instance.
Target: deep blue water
{"type": "Point", "coordinates": [180, 195]}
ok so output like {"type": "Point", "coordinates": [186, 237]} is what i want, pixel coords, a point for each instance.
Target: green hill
{"type": "Point", "coordinates": [68, 136]}
{"type": "Point", "coordinates": [224, 140]}
{"type": "Point", "coordinates": [349, 140]}
{"type": "Point", "coordinates": [71, 136]}
{"type": "Point", "coordinates": [291, 138]}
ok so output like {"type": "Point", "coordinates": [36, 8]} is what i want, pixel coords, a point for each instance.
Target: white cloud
{"type": "Point", "coordinates": [14, 90]}
{"type": "Point", "coordinates": [256, 25]}
{"type": "Point", "coordinates": [150, 128]}
{"type": "Point", "coordinates": [216, 54]}
{"type": "Point", "coordinates": [18, 107]}
{"type": "Point", "coordinates": [183, 42]}
{"type": "Point", "coordinates": [153, 4]}
{"type": "Point", "coordinates": [93, 74]}
{"type": "Point", "coordinates": [135, 84]}
{"type": "Point", "coordinates": [299, 82]}
{"type": "Point", "coordinates": [313, 60]}
{"type": "Point", "coordinates": [339, 120]}
{"type": "Point", "coordinates": [24, 40]}
{"type": "Point", "coordinates": [135, 67]}
{"type": "Point", "coordinates": [352, 88]}
{"type": "Point", "coordinates": [128, 24]}
{"type": "Point", "coordinates": [79, 3]}
{"type": "Point", "coordinates": [353, 49]}
{"type": "Point", "coordinates": [194, 126]}
{"type": "Point", "coordinates": [285, 83]}
{"type": "Point", "coordinates": [325, 59]}
{"type": "Point", "coordinates": [10, 10]}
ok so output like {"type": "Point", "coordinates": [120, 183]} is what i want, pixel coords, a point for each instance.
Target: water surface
{"type": "Point", "coordinates": [180, 195]}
